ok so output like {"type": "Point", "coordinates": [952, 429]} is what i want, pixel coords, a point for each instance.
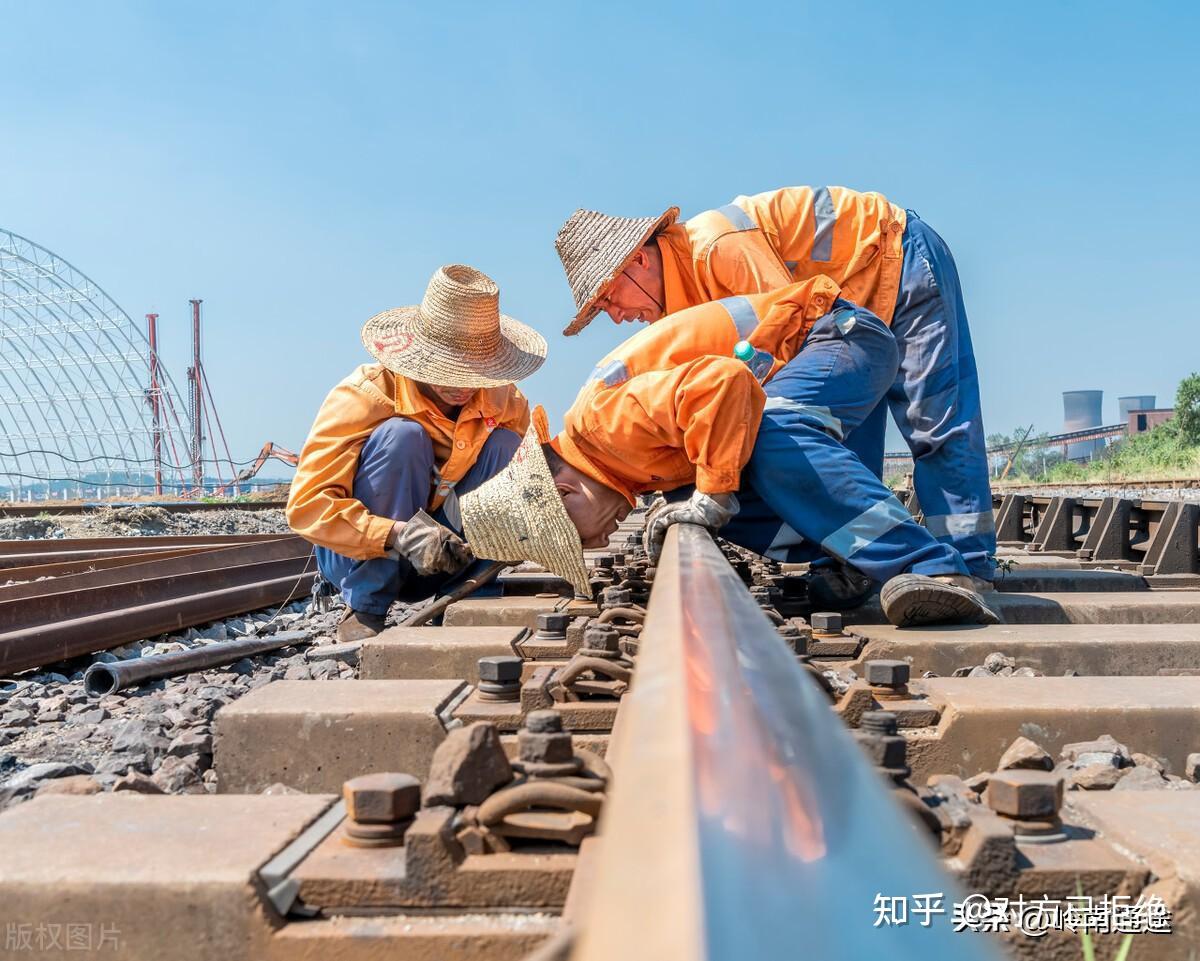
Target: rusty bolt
{"type": "Point", "coordinates": [553, 623]}
{"type": "Point", "coordinates": [601, 637]}
{"type": "Point", "coordinates": [382, 798]}
{"type": "Point", "coordinates": [887, 673]}
{"type": "Point", "coordinates": [543, 722]}
{"type": "Point", "coordinates": [618, 559]}
{"type": "Point", "coordinates": [879, 722]}
{"type": "Point", "coordinates": [827, 622]}
{"type": "Point", "coordinates": [617, 597]}
{"type": "Point", "coordinates": [500, 668]}
{"type": "Point", "coordinates": [551, 746]}
{"type": "Point", "coordinates": [1025, 793]}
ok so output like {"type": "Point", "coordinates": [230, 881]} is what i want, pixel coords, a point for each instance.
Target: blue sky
{"type": "Point", "coordinates": [301, 166]}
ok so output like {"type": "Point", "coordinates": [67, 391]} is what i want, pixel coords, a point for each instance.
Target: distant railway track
{"type": "Point", "coordinates": [1168, 483]}
{"type": "Point", "coordinates": [60, 508]}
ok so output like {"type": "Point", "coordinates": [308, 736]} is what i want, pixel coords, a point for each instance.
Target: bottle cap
{"type": "Point", "coordinates": [743, 350]}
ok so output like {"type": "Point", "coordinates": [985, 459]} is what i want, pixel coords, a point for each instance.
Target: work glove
{"type": "Point", "coordinates": [713, 512]}
{"type": "Point", "coordinates": [429, 547]}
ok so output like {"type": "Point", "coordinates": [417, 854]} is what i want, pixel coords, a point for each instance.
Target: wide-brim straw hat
{"type": "Point", "coordinates": [456, 336]}
{"type": "Point", "coordinates": [518, 515]}
{"type": "Point", "coordinates": [595, 248]}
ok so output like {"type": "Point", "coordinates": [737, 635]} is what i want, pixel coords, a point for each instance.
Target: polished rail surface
{"type": "Point", "coordinates": [743, 821]}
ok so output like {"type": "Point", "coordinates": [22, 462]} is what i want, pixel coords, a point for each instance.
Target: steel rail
{"type": "Point", "coordinates": [27, 553]}
{"type": "Point", "coordinates": [85, 613]}
{"type": "Point", "coordinates": [743, 820]}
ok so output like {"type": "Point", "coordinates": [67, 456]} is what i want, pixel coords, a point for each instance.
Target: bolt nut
{"type": "Point", "coordinates": [887, 673]}
{"type": "Point", "coordinates": [543, 722]}
{"type": "Point", "coordinates": [830, 622]}
{"type": "Point", "coordinates": [1024, 793]}
{"type": "Point", "coordinates": [617, 597]}
{"type": "Point", "coordinates": [601, 637]}
{"type": "Point", "coordinates": [553, 623]}
{"type": "Point", "coordinates": [382, 798]}
{"type": "Point", "coordinates": [605, 562]}
{"type": "Point", "coordinates": [549, 748]}
{"type": "Point", "coordinates": [501, 668]}
{"type": "Point", "coordinates": [888, 751]}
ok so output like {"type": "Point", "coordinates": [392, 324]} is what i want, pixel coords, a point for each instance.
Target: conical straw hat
{"type": "Point", "coordinates": [518, 515]}
{"type": "Point", "coordinates": [456, 336]}
{"type": "Point", "coordinates": [594, 248]}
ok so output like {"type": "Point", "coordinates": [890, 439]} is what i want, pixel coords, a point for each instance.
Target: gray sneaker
{"type": "Point", "coordinates": [914, 600]}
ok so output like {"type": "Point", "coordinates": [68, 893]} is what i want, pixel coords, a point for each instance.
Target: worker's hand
{"type": "Point", "coordinates": [430, 547]}
{"type": "Point", "coordinates": [713, 511]}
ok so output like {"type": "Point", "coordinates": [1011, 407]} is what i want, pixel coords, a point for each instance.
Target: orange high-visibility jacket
{"type": "Point", "coordinates": [322, 507]}
{"type": "Point", "coordinates": [772, 239]}
{"type": "Point", "coordinates": [672, 406]}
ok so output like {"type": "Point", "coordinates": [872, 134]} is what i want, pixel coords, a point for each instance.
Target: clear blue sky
{"type": "Point", "coordinates": [301, 166]}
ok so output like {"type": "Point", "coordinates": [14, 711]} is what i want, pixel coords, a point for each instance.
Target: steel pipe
{"type": "Point", "coordinates": [742, 820]}
{"type": "Point", "coordinates": [101, 679]}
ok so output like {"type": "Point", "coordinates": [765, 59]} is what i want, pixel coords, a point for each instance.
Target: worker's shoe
{"type": "Point", "coordinates": [359, 625]}
{"type": "Point", "coordinates": [838, 587]}
{"type": "Point", "coordinates": [914, 600]}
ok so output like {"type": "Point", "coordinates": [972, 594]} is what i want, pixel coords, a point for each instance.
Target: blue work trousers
{"type": "Point", "coordinates": [804, 493]}
{"type": "Point", "coordinates": [935, 402]}
{"type": "Point", "coordinates": [394, 477]}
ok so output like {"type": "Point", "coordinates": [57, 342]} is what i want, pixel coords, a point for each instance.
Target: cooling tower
{"type": "Point", "coordinates": [1134, 402]}
{"type": "Point", "coordinates": [1082, 409]}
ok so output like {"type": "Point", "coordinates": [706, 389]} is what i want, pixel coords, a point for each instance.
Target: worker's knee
{"type": "Point", "coordinates": [500, 446]}
{"type": "Point", "coordinates": [398, 438]}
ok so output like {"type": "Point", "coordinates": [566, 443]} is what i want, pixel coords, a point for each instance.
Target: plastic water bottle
{"type": "Point", "coordinates": [759, 361]}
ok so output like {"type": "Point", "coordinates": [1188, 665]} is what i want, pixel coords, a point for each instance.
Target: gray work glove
{"type": "Point", "coordinates": [702, 509]}
{"type": "Point", "coordinates": [430, 547]}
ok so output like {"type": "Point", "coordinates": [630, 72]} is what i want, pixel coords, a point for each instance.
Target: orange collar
{"type": "Point", "coordinates": [566, 448]}
{"type": "Point", "coordinates": [408, 400]}
{"type": "Point", "coordinates": [679, 285]}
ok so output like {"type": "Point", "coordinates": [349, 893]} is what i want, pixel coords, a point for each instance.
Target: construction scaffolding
{"type": "Point", "coordinates": [86, 409]}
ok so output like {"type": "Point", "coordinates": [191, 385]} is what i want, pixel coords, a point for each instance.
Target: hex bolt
{"type": "Point", "coordinates": [500, 677]}
{"type": "Point", "coordinates": [826, 622]}
{"type": "Point", "coordinates": [889, 674]}
{"type": "Point", "coordinates": [502, 668]}
{"type": "Point", "coordinates": [543, 722]}
{"type": "Point", "coordinates": [602, 639]}
{"type": "Point", "coordinates": [552, 626]}
{"type": "Point", "coordinates": [1026, 794]}
{"type": "Point", "coordinates": [605, 562]}
{"type": "Point", "coordinates": [382, 798]}
{"type": "Point", "coordinates": [380, 808]}
{"type": "Point", "coordinates": [879, 722]}
{"type": "Point", "coordinates": [616, 597]}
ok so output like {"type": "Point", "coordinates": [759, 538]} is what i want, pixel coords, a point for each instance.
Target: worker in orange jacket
{"type": "Point", "coordinates": [737, 409]}
{"type": "Point", "coordinates": [884, 258]}
{"type": "Point", "coordinates": [397, 442]}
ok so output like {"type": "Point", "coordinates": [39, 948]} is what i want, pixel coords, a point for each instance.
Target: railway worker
{"type": "Point", "coordinates": [673, 409]}
{"type": "Point", "coordinates": [886, 259]}
{"type": "Point", "coordinates": [397, 442]}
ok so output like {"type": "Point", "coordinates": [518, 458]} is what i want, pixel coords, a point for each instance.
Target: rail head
{"type": "Point", "coordinates": [743, 821]}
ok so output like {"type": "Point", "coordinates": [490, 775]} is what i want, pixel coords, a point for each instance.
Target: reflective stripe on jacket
{"type": "Point", "coordinates": [763, 242]}
{"type": "Point", "coordinates": [321, 505]}
{"type": "Point", "coordinates": [672, 406]}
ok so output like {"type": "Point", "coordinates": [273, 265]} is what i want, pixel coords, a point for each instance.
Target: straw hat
{"type": "Point", "coordinates": [518, 515]}
{"type": "Point", "coordinates": [594, 248]}
{"type": "Point", "coordinates": [456, 336]}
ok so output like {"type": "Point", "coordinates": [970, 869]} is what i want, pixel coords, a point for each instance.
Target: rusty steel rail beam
{"type": "Point", "coordinates": [65, 617]}
{"type": "Point", "coordinates": [48, 551]}
{"type": "Point", "coordinates": [743, 820]}
{"type": "Point", "coordinates": [87, 565]}
{"type": "Point", "coordinates": [59, 508]}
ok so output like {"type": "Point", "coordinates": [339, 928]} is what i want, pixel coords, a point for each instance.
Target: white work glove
{"type": "Point", "coordinates": [430, 547]}
{"type": "Point", "coordinates": [707, 510]}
